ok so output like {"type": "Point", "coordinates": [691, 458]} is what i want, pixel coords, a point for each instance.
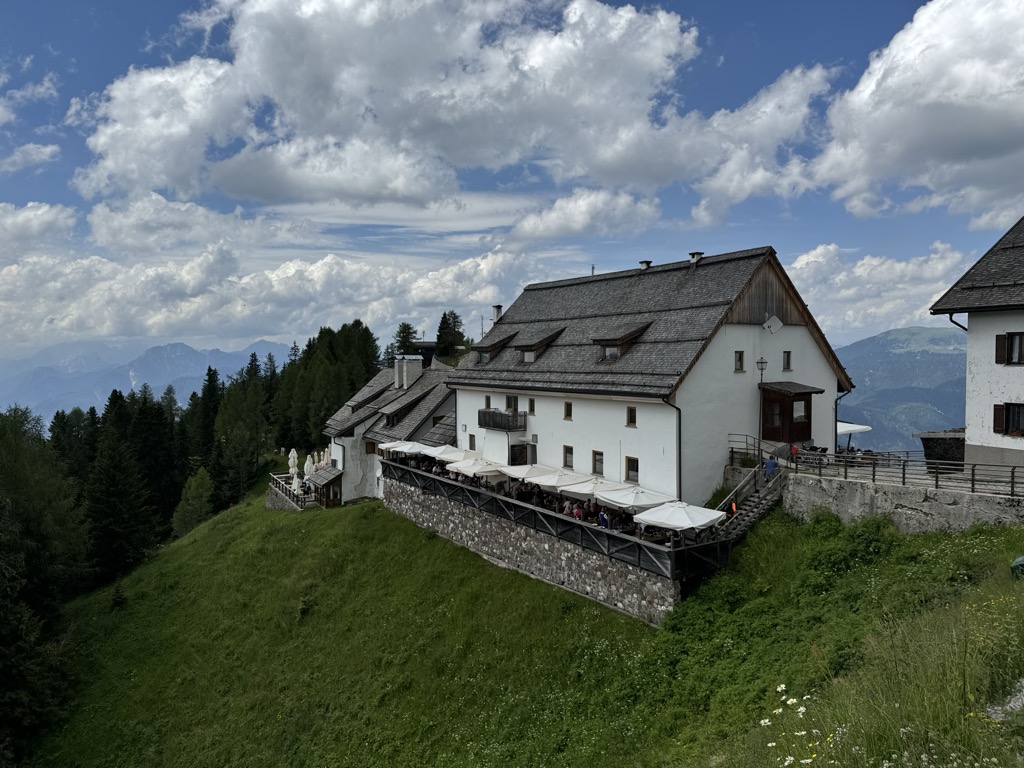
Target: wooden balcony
{"type": "Point", "coordinates": [501, 421]}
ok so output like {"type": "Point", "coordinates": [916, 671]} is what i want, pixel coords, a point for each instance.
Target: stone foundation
{"type": "Point", "coordinates": [627, 588]}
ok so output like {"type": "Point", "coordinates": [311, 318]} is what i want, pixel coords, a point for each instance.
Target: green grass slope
{"type": "Point", "coordinates": [351, 637]}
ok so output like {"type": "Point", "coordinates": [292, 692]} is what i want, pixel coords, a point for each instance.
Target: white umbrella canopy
{"type": "Point", "coordinates": [407, 447]}
{"type": "Point", "coordinates": [590, 487]}
{"type": "Point", "coordinates": [459, 455]}
{"type": "Point", "coordinates": [293, 462]}
{"type": "Point", "coordinates": [678, 516]}
{"type": "Point", "coordinates": [557, 479]}
{"type": "Point", "coordinates": [440, 451]}
{"type": "Point", "coordinates": [475, 468]}
{"type": "Point", "coordinates": [633, 497]}
{"type": "Point", "coordinates": [307, 468]}
{"type": "Point", "coordinates": [527, 471]}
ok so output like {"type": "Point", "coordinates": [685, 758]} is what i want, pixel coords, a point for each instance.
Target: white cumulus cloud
{"type": "Point", "coordinates": [855, 296]}
{"type": "Point", "coordinates": [938, 113]}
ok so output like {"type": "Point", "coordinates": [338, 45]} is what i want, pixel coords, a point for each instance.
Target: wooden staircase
{"type": "Point", "coordinates": [753, 508]}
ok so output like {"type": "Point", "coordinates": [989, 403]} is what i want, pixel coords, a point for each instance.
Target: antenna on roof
{"type": "Point", "coordinates": [591, 270]}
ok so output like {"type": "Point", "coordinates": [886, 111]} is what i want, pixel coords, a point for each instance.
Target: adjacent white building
{"type": "Point", "coordinates": [991, 294]}
{"type": "Point", "coordinates": [406, 402]}
{"type": "Point", "coordinates": [641, 376]}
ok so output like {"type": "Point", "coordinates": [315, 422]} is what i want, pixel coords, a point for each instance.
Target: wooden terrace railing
{"type": "Point", "coordinates": [692, 556]}
{"type": "Point", "coordinates": [283, 485]}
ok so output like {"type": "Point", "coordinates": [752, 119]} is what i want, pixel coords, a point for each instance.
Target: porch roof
{"type": "Point", "coordinates": [791, 388]}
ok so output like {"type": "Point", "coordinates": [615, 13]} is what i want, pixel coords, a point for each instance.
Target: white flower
{"type": "Point", "coordinates": [771, 743]}
{"type": "Point", "coordinates": [791, 701]}
{"type": "Point", "coordinates": [777, 711]}
{"type": "Point", "coordinates": [781, 688]}
{"type": "Point", "coordinates": [765, 722]}
{"type": "Point", "coordinates": [789, 760]}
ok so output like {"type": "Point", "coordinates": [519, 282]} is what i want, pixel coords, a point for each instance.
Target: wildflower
{"type": "Point", "coordinates": [777, 711]}
{"type": "Point", "coordinates": [791, 701]}
{"type": "Point", "coordinates": [764, 722]}
{"type": "Point", "coordinates": [800, 711]}
{"type": "Point", "coordinates": [771, 743]}
{"type": "Point", "coordinates": [789, 760]}
{"type": "Point", "coordinates": [781, 688]}
{"type": "Point", "coordinates": [799, 733]}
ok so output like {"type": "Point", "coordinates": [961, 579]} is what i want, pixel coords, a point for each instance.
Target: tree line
{"type": "Point", "coordinates": [85, 504]}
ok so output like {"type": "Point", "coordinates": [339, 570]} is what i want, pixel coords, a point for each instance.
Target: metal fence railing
{"type": "Point", "coordinates": [909, 468]}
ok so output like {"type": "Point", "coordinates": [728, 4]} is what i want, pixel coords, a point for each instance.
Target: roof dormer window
{"type": "Point", "coordinates": [531, 346]}
{"type": "Point", "coordinates": [615, 341]}
{"type": "Point", "coordinates": [488, 350]}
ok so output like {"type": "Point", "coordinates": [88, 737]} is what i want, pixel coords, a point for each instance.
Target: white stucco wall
{"type": "Point", "coordinates": [716, 400]}
{"type": "Point", "coordinates": [988, 384]}
{"type": "Point", "coordinates": [596, 425]}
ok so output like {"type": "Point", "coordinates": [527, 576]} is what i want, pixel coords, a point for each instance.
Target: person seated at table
{"type": "Point", "coordinates": [577, 511]}
{"type": "Point", "coordinates": [602, 519]}
{"type": "Point", "coordinates": [567, 507]}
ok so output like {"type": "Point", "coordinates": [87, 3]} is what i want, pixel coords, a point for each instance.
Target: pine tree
{"type": "Point", "coordinates": [405, 339]}
{"type": "Point", "coordinates": [449, 334]}
{"type": "Point", "coordinates": [196, 503]}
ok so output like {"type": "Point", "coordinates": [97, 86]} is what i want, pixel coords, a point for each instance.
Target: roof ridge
{"type": "Point", "coordinates": [718, 258]}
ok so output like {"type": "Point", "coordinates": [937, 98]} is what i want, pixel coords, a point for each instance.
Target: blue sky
{"type": "Point", "coordinates": [216, 172]}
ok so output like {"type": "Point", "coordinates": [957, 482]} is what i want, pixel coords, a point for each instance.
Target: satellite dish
{"type": "Point", "coordinates": [772, 324]}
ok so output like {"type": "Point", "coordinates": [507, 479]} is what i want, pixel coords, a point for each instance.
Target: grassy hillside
{"type": "Point", "coordinates": [353, 638]}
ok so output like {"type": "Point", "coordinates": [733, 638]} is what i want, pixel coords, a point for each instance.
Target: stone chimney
{"type": "Point", "coordinates": [695, 256]}
{"type": "Point", "coordinates": [497, 312]}
{"type": "Point", "coordinates": [411, 367]}
{"type": "Point", "coordinates": [645, 265]}
{"type": "Point", "coordinates": [399, 369]}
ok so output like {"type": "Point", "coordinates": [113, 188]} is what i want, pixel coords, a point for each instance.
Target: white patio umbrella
{"type": "Point", "coordinates": [557, 479]}
{"type": "Point", "coordinates": [526, 471]}
{"type": "Point", "coordinates": [307, 468]}
{"type": "Point", "coordinates": [632, 497]}
{"type": "Point", "coordinates": [440, 451]}
{"type": "Point", "coordinates": [678, 516]}
{"type": "Point", "coordinates": [475, 468]}
{"type": "Point", "coordinates": [459, 455]}
{"type": "Point", "coordinates": [407, 447]}
{"type": "Point", "coordinates": [296, 487]}
{"type": "Point", "coordinates": [590, 487]}
{"type": "Point", "coordinates": [849, 429]}
{"type": "Point", "coordinates": [293, 462]}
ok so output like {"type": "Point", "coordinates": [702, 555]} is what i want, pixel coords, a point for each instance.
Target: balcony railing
{"type": "Point", "coordinates": [688, 559]}
{"type": "Point", "coordinates": [502, 421]}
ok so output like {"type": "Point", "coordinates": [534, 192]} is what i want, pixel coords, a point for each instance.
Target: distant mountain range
{"type": "Point", "coordinates": [83, 374]}
{"type": "Point", "coordinates": [907, 380]}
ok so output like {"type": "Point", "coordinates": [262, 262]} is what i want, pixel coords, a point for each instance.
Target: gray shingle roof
{"type": "Point", "coordinates": [380, 398]}
{"type": "Point", "coordinates": [680, 306]}
{"type": "Point", "coordinates": [995, 282]}
{"type": "Point", "coordinates": [442, 433]}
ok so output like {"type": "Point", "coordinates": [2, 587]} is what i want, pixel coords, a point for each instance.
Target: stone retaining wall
{"type": "Point", "coordinates": [912, 509]}
{"type": "Point", "coordinates": [277, 500]}
{"type": "Point", "coordinates": [630, 589]}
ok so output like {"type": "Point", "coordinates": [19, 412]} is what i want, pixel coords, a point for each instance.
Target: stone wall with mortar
{"type": "Point", "coordinates": [912, 509]}
{"type": "Point", "coordinates": [277, 500]}
{"type": "Point", "coordinates": [632, 590]}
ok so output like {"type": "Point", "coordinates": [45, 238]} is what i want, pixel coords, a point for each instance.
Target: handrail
{"type": "Point", "coordinates": [906, 468]}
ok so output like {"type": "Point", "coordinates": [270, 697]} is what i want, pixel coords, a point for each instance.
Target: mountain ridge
{"type": "Point", "coordinates": [62, 378]}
